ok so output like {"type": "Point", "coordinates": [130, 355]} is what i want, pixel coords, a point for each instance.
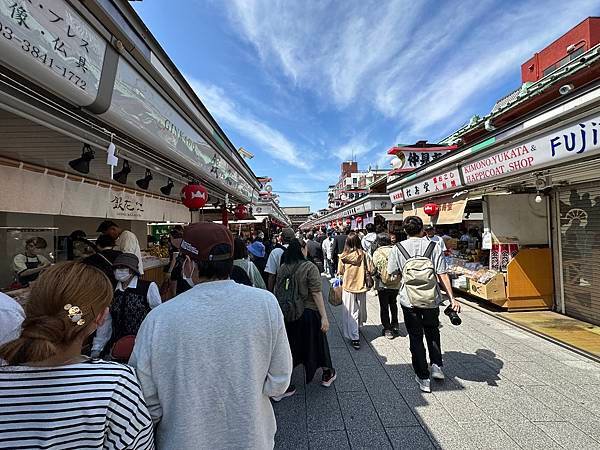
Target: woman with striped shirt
{"type": "Point", "coordinates": [52, 397]}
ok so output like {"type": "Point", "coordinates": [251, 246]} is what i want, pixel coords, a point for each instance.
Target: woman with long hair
{"type": "Point", "coordinates": [307, 335]}
{"type": "Point", "coordinates": [51, 396]}
{"type": "Point", "coordinates": [353, 266]}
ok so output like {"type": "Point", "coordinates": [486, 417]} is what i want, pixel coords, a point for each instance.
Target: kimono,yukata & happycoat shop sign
{"type": "Point", "coordinates": [577, 140]}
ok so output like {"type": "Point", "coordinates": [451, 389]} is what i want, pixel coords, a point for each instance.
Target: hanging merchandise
{"type": "Point", "coordinates": [194, 196]}
{"type": "Point", "coordinates": [240, 212]}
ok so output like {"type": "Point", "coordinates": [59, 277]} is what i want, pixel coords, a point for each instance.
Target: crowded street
{"type": "Point", "coordinates": [299, 224]}
{"type": "Point", "coordinates": [505, 389]}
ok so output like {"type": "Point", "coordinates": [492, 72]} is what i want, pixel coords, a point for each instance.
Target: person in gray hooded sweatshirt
{"type": "Point", "coordinates": [370, 238]}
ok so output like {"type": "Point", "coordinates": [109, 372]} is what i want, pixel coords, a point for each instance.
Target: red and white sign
{"type": "Point", "coordinates": [435, 185]}
{"type": "Point", "coordinates": [577, 140]}
{"type": "Point", "coordinates": [397, 196]}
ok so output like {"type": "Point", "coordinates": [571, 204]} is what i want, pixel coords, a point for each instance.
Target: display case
{"type": "Point", "coordinates": [12, 243]}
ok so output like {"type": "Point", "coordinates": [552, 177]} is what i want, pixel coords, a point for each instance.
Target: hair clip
{"type": "Point", "coordinates": [75, 314]}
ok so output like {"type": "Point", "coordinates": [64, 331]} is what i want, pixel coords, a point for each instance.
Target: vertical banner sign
{"type": "Point", "coordinates": [48, 42]}
{"type": "Point", "coordinates": [578, 140]}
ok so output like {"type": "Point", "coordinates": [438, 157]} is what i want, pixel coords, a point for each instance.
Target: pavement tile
{"type": "Point", "coordinates": [567, 435]}
{"type": "Point", "coordinates": [323, 412]}
{"type": "Point", "coordinates": [409, 438]}
{"type": "Point", "coordinates": [393, 410]}
{"type": "Point", "coordinates": [358, 410]}
{"type": "Point", "coordinates": [369, 438]}
{"type": "Point", "coordinates": [489, 436]}
{"type": "Point", "coordinates": [527, 435]}
{"type": "Point", "coordinates": [330, 440]}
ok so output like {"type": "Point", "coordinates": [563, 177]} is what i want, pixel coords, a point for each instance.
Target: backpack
{"type": "Point", "coordinates": [380, 261]}
{"type": "Point", "coordinates": [288, 293]}
{"type": "Point", "coordinates": [419, 277]}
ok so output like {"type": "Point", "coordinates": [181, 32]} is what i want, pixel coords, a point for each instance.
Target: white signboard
{"type": "Point", "coordinates": [410, 160]}
{"type": "Point", "coordinates": [578, 140]}
{"type": "Point", "coordinates": [437, 184]}
{"type": "Point", "coordinates": [397, 196]}
{"type": "Point", "coordinates": [377, 205]}
{"type": "Point", "coordinates": [139, 109]}
{"type": "Point", "coordinates": [48, 42]}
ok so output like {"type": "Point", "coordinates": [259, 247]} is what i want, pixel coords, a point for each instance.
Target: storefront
{"type": "Point", "coordinates": [536, 184]}
{"type": "Point", "coordinates": [97, 123]}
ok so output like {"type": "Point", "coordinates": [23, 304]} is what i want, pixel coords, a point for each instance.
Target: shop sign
{"type": "Point", "coordinates": [139, 109]}
{"type": "Point", "coordinates": [411, 160]}
{"type": "Point", "coordinates": [578, 140]}
{"type": "Point", "coordinates": [377, 205]}
{"type": "Point", "coordinates": [397, 196]}
{"type": "Point", "coordinates": [260, 210]}
{"type": "Point", "coordinates": [431, 186]}
{"type": "Point", "coordinates": [126, 206]}
{"type": "Point", "coordinates": [47, 41]}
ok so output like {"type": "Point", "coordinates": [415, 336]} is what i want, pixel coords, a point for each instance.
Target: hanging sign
{"type": "Point", "coordinates": [50, 43]}
{"type": "Point", "coordinates": [578, 140]}
{"type": "Point", "coordinates": [431, 186]}
{"type": "Point", "coordinates": [409, 160]}
{"type": "Point", "coordinates": [397, 196]}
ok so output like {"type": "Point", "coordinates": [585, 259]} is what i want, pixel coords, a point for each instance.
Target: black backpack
{"type": "Point", "coordinates": [288, 293]}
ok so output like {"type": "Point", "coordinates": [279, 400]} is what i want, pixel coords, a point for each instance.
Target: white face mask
{"type": "Point", "coordinates": [122, 274]}
{"type": "Point", "coordinates": [187, 279]}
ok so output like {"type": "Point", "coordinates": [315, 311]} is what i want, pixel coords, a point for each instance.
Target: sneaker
{"type": "Point", "coordinates": [290, 391]}
{"type": "Point", "coordinates": [436, 372]}
{"type": "Point", "coordinates": [389, 334]}
{"type": "Point", "coordinates": [356, 344]}
{"type": "Point", "coordinates": [329, 376]}
{"type": "Point", "coordinates": [424, 385]}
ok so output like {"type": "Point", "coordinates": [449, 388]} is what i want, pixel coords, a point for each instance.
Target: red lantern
{"type": "Point", "coordinates": [348, 221]}
{"type": "Point", "coordinates": [431, 209]}
{"type": "Point", "coordinates": [359, 219]}
{"type": "Point", "coordinates": [194, 196]}
{"type": "Point", "coordinates": [241, 212]}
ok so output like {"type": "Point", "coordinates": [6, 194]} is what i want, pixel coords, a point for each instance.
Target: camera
{"type": "Point", "coordinates": [452, 315]}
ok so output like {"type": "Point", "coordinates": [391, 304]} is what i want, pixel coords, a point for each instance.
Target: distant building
{"type": "Point", "coordinates": [352, 184]}
{"type": "Point", "coordinates": [297, 214]}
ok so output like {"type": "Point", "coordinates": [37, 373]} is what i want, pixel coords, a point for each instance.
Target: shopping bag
{"type": "Point", "coordinates": [335, 292]}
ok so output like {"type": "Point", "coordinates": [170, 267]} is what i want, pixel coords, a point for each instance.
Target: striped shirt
{"type": "Point", "coordinates": [89, 405]}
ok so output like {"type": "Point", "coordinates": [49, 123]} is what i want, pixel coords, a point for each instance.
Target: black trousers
{"type": "Point", "coordinates": [388, 304]}
{"type": "Point", "coordinates": [421, 321]}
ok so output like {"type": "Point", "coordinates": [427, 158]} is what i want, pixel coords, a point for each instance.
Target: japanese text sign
{"type": "Point", "coordinates": [397, 196]}
{"type": "Point", "coordinates": [428, 187]}
{"type": "Point", "coordinates": [578, 140]}
{"type": "Point", "coordinates": [47, 40]}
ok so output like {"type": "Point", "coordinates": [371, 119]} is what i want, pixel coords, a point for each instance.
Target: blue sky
{"type": "Point", "coordinates": [306, 84]}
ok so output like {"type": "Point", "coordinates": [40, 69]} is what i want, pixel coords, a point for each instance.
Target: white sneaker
{"type": "Point", "coordinates": [424, 385]}
{"type": "Point", "coordinates": [436, 372]}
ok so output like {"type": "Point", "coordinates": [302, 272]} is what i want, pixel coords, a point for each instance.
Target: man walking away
{"type": "Point", "coordinates": [328, 249]}
{"type": "Point", "coordinates": [125, 241]}
{"type": "Point", "coordinates": [314, 252]}
{"type": "Point", "coordinates": [274, 261]}
{"type": "Point", "coordinates": [209, 360]}
{"type": "Point", "coordinates": [387, 287]}
{"type": "Point", "coordinates": [339, 244]}
{"type": "Point", "coordinates": [423, 268]}
{"type": "Point", "coordinates": [370, 238]}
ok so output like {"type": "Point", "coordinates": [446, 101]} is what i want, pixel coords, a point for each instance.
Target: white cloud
{"type": "Point", "coordinates": [421, 63]}
{"type": "Point", "coordinates": [359, 145]}
{"type": "Point", "coordinates": [267, 138]}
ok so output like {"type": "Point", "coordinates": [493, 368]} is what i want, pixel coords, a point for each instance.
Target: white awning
{"type": "Point", "coordinates": [391, 217]}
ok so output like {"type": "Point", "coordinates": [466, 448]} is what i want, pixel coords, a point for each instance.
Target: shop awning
{"type": "Point", "coordinates": [391, 217]}
{"type": "Point", "coordinates": [451, 212]}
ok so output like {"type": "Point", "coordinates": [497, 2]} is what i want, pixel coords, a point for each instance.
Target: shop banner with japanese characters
{"type": "Point", "coordinates": [50, 43]}
{"type": "Point", "coordinates": [578, 140]}
{"type": "Point", "coordinates": [411, 160]}
{"type": "Point", "coordinates": [435, 185]}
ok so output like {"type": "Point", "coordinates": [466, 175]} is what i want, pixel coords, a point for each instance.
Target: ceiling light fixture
{"type": "Point", "coordinates": [166, 190]}
{"type": "Point", "coordinates": [82, 164]}
{"type": "Point", "coordinates": [121, 176]}
{"type": "Point", "coordinates": [144, 183]}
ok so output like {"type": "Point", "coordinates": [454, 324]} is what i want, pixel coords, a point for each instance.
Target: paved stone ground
{"type": "Point", "coordinates": [504, 388]}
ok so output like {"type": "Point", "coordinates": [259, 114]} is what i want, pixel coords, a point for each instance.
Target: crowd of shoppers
{"type": "Point", "coordinates": [203, 367]}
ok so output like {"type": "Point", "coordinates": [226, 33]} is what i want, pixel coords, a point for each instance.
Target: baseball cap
{"type": "Point", "coordinates": [287, 234]}
{"type": "Point", "coordinates": [199, 240]}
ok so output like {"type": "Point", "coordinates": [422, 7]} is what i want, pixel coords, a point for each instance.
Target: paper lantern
{"type": "Point", "coordinates": [348, 221]}
{"type": "Point", "coordinates": [240, 212]}
{"type": "Point", "coordinates": [431, 209]}
{"type": "Point", "coordinates": [194, 196]}
{"type": "Point", "coordinates": [359, 219]}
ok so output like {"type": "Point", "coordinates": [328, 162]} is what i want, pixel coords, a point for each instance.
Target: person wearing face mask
{"type": "Point", "coordinates": [133, 300]}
